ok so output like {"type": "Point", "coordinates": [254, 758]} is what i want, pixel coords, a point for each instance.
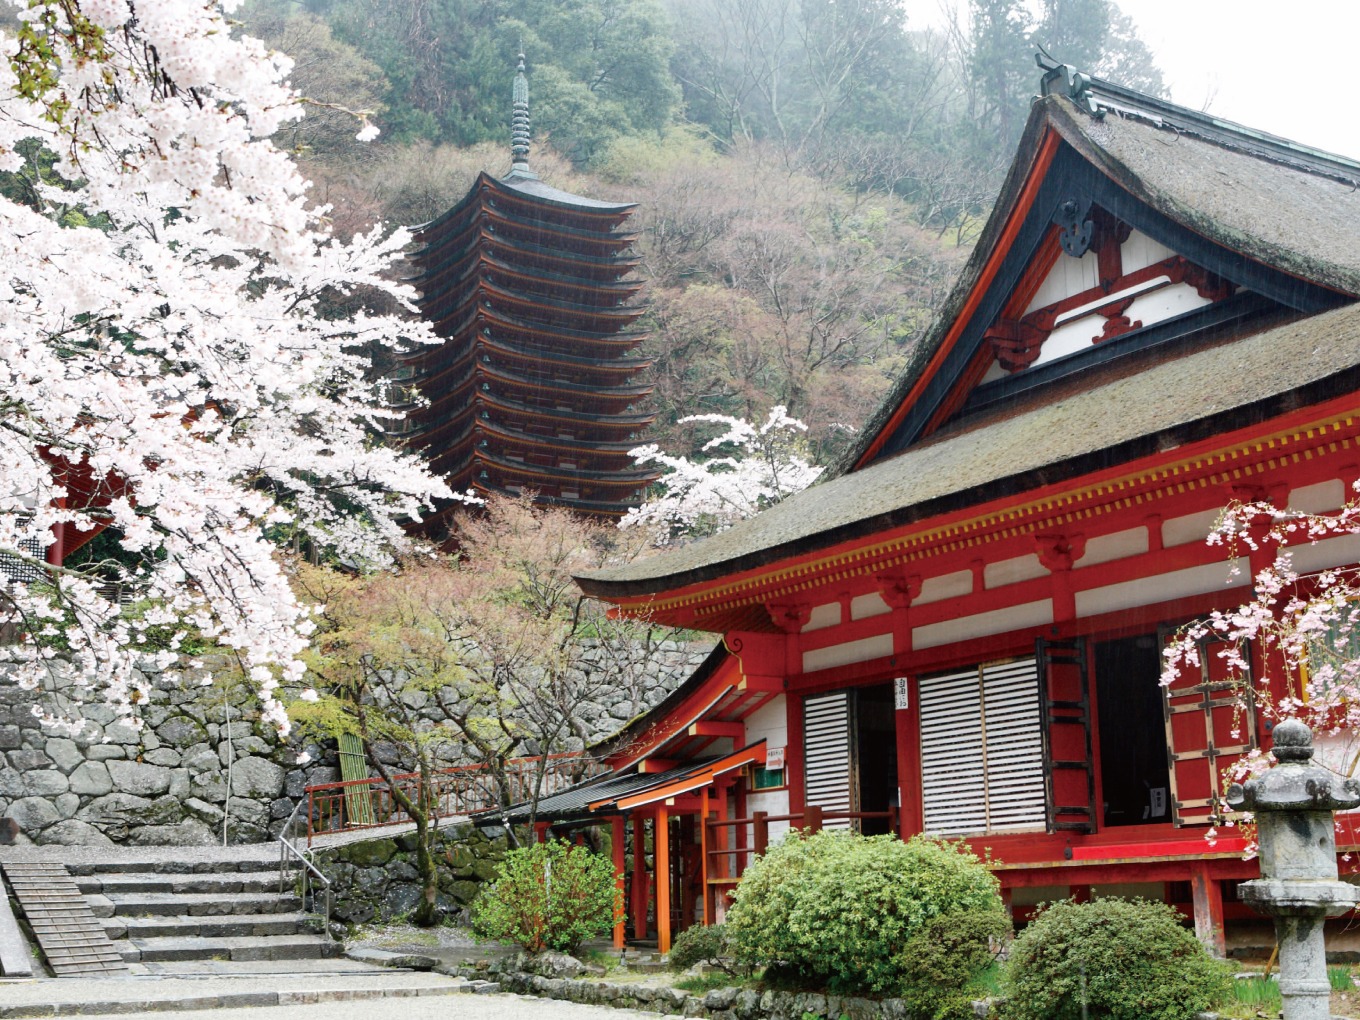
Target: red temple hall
{"type": "Point", "coordinates": [959, 632]}
{"type": "Point", "coordinates": [535, 385]}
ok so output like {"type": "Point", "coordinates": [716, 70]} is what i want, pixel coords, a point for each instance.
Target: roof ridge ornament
{"type": "Point", "coordinates": [1070, 83]}
{"type": "Point", "coordinates": [519, 124]}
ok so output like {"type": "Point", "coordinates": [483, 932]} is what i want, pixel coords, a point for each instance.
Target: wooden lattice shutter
{"type": "Point", "coordinates": [829, 755]}
{"type": "Point", "coordinates": [1210, 723]}
{"type": "Point", "coordinates": [953, 759]}
{"type": "Point", "coordinates": [353, 766]}
{"type": "Point", "coordinates": [1014, 745]}
{"type": "Point", "coordinates": [1069, 765]}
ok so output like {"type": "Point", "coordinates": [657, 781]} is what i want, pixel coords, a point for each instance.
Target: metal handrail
{"type": "Point", "coordinates": [285, 847]}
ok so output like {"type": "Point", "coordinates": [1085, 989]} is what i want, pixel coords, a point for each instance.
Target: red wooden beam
{"type": "Point", "coordinates": [710, 728]}
{"type": "Point", "coordinates": [650, 765]}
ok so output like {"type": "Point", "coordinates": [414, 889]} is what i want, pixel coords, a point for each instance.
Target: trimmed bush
{"type": "Point", "coordinates": [1140, 963]}
{"type": "Point", "coordinates": [944, 957]}
{"type": "Point", "coordinates": [549, 896]}
{"type": "Point", "coordinates": [698, 943]}
{"type": "Point", "coordinates": [840, 908]}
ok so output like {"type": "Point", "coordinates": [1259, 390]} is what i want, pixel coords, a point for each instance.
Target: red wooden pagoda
{"type": "Point", "coordinates": [959, 633]}
{"type": "Point", "coordinates": [535, 387]}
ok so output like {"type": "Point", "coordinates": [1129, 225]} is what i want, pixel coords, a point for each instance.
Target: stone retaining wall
{"type": "Point", "coordinates": [376, 879]}
{"type": "Point", "coordinates": [203, 758]}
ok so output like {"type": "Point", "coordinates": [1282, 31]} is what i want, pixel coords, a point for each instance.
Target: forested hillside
{"type": "Point", "coordinates": [810, 174]}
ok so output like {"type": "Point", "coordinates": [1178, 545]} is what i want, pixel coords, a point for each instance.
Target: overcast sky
{"type": "Point", "coordinates": [1288, 68]}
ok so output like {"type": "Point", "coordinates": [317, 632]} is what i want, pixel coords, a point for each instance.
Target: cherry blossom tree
{"type": "Point", "coordinates": [1305, 626]}
{"type": "Point", "coordinates": [757, 466]}
{"type": "Point", "coordinates": [170, 375]}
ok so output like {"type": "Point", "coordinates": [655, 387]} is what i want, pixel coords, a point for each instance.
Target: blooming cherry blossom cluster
{"type": "Point", "coordinates": [1306, 629]}
{"type": "Point", "coordinates": [173, 374]}
{"type": "Point", "coordinates": [755, 467]}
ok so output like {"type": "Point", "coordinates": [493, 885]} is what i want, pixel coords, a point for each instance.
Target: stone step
{"type": "Point", "coordinates": [213, 925]}
{"type": "Point", "coordinates": [143, 867]}
{"type": "Point", "coordinates": [207, 882]}
{"type": "Point", "coordinates": [200, 904]}
{"type": "Point", "coordinates": [234, 948]}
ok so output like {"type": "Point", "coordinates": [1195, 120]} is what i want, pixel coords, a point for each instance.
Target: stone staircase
{"type": "Point", "coordinates": [217, 917]}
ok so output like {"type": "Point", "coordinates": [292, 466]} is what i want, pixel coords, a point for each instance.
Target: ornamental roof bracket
{"type": "Point", "coordinates": [519, 125]}
{"type": "Point", "coordinates": [1069, 82]}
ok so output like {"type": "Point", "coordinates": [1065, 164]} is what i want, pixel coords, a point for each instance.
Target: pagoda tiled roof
{"type": "Point", "coordinates": [623, 479]}
{"type": "Point", "coordinates": [584, 447]}
{"type": "Point", "coordinates": [613, 421]}
{"type": "Point", "coordinates": [635, 392]}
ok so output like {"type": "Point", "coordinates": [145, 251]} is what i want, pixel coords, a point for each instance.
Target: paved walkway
{"type": "Point", "coordinates": [424, 1007]}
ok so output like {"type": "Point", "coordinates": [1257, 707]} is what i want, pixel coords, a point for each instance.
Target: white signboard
{"type": "Point", "coordinates": [774, 759]}
{"type": "Point", "coordinates": [901, 694]}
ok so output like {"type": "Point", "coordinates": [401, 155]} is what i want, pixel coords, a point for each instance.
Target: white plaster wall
{"type": "Point", "coordinates": [1330, 552]}
{"type": "Point", "coordinates": [863, 650]}
{"type": "Point", "coordinates": [1114, 546]}
{"type": "Point", "coordinates": [1019, 568]}
{"type": "Point", "coordinates": [1319, 498]}
{"type": "Point", "coordinates": [1174, 584]}
{"type": "Point", "coordinates": [828, 615]}
{"type": "Point", "coordinates": [864, 606]}
{"type": "Point", "coordinates": [770, 722]}
{"type": "Point", "coordinates": [998, 621]}
{"type": "Point", "coordinates": [945, 586]}
{"type": "Point", "coordinates": [1189, 528]}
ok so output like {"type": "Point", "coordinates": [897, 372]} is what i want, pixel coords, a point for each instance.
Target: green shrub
{"type": "Point", "coordinates": [698, 943]}
{"type": "Point", "coordinates": [945, 956]}
{"type": "Point", "coordinates": [1140, 963]}
{"type": "Point", "coordinates": [840, 908]}
{"type": "Point", "coordinates": [549, 896]}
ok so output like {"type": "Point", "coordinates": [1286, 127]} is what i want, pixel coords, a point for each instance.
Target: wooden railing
{"type": "Point", "coordinates": [724, 865]}
{"type": "Point", "coordinates": [461, 790]}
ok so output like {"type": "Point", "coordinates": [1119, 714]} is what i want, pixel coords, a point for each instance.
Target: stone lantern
{"type": "Point", "coordinates": [1299, 886]}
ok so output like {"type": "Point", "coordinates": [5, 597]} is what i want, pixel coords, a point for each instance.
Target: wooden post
{"type": "Point", "coordinates": [1207, 893]}
{"type": "Point", "coordinates": [661, 850]}
{"type": "Point", "coordinates": [722, 863]}
{"type": "Point", "coordinates": [616, 846]}
{"type": "Point", "coordinates": [740, 860]}
{"type": "Point", "coordinates": [705, 843]}
{"type": "Point", "coordinates": [762, 831]}
{"type": "Point", "coordinates": [541, 831]}
{"type": "Point", "coordinates": [812, 818]}
{"type": "Point", "coordinates": [639, 877]}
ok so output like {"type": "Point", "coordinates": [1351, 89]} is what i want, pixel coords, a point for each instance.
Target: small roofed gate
{"type": "Point", "coordinates": [1210, 723]}
{"type": "Point", "coordinates": [1069, 765]}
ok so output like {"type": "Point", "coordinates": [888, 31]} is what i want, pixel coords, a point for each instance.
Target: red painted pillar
{"type": "Point", "coordinates": [616, 836]}
{"type": "Point", "coordinates": [706, 870]}
{"type": "Point", "coordinates": [909, 762]}
{"type": "Point", "coordinates": [1207, 894]}
{"type": "Point", "coordinates": [640, 892]}
{"type": "Point", "coordinates": [661, 850]}
{"type": "Point", "coordinates": [793, 753]}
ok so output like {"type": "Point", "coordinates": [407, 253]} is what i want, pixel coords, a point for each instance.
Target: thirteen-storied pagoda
{"type": "Point", "coordinates": [534, 388]}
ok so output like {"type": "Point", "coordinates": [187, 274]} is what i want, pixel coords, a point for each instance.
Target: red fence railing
{"type": "Point", "coordinates": [461, 790]}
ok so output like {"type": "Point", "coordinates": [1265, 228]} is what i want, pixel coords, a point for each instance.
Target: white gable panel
{"type": "Point", "coordinates": [828, 615]}
{"type": "Point", "coordinates": [1140, 251]}
{"type": "Point", "coordinates": [1067, 277]}
{"type": "Point", "coordinates": [1190, 528]}
{"type": "Point", "coordinates": [1012, 571]}
{"type": "Point", "coordinates": [864, 606]}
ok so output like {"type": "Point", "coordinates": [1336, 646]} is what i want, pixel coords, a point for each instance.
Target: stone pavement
{"type": "Point", "coordinates": [425, 1007]}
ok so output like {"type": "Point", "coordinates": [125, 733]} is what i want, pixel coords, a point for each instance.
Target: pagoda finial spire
{"type": "Point", "coordinates": [519, 123]}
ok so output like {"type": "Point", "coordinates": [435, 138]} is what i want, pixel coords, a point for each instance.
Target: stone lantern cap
{"type": "Point", "coordinates": [1295, 784]}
